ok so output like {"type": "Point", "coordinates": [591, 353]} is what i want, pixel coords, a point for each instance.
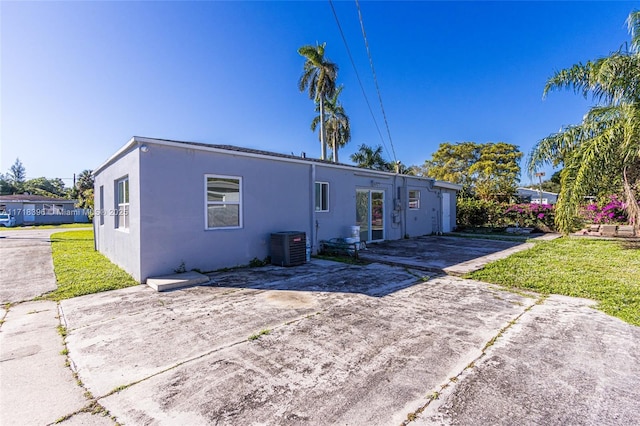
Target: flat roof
{"type": "Point", "coordinates": [29, 198]}
{"type": "Point", "coordinates": [256, 153]}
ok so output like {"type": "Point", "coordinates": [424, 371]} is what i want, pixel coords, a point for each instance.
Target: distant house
{"type": "Point", "coordinates": [532, 195]}
{"type": "Point", "coordinates": [37, 209]}
{"type": "Point", "coordinates": [160, 203]}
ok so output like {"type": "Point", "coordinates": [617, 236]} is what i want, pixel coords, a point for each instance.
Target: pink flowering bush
{"type": "Point", "coordinates": [531, 215]}
{"type": "Point", "coordinates": [481, 213]}
{"type": "Point", "coordinates": [611, 210]}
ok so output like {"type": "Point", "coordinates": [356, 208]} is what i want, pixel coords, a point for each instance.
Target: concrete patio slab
{"type": "Point", "coordinates": [452, 255]}
{"type": "Point", "coordinates": [175, 281]}
{"type": "Point", "coordinates": [174, 327]}
{"type": "Point", "coordinates": [331, 356]}
{"type": "Point", "coordinates": [463, 268]}
{"type": "Point", "coordinates": [434, 253]}
{"type": "Point", "coordinates": [563, 363]}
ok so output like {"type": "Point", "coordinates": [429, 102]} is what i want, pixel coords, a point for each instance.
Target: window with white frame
{"type": "Point", "coordinates": [101, 205]}
{"type": "Point", "coordinates": [223, 202]}
{"type": "Point", "coordinates": [414, 199]}
{"type": "Point", "coordinates": [52, 209]}
{"type": "Point", "coordinates": [122, 203]}
{"type": "Point", "coordinates": [322, 196]}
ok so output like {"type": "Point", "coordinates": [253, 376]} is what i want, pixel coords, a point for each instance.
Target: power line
{"type": "Point", "coordinates": [375, 80]}
{"type": "Point", "coordinates": [353, 64]}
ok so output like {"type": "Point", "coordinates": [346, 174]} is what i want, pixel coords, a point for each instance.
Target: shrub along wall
{"type": "Point", "coordinates": [472, 213]}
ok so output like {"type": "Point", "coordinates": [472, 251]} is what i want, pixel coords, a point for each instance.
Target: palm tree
{"type": "Point", "coordinates": [370, 158]}
{"type": "Point", "coordinates": [337, 125]}
{"type": "Point", "coordinates": [608, 139]}
{"type": "Point", "coordinates": [319, 78]}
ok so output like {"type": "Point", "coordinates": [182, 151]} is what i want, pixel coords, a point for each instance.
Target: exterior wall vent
{"type": "Point", "coordinates": [288, 248]}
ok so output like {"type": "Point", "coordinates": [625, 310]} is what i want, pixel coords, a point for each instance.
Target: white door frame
{"type": "Point", "coordinates": [369, 193]}
{"type": "Point", "coordinates": [446, 212]}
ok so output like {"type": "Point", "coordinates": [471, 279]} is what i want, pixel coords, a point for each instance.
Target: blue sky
{"type": "Point", "coordinates": [78, 79]}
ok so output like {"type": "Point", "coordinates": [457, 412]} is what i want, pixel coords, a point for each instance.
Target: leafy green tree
{"type": "Point", "coordinates": [407, 170]}
{"type": "Point", "coordinates": [47, 187]}
{"type": "Point", "coordinates": [337, 124]}
{"type": "Point", "coordinates": [6, 188]}
{"type": "Point", "coordinates": [550, 185]}
{"type": "Point", "coordinates": [607, 140]}
{"type": "Point", "coordinates": [371, 158]}
{"type": "Point", "coordinates": [319, 79]}
{"type": "Point", "coordinates": [497, 171]}
{"type": "Point", "coordinates": [488, 171]}
{"type": "Point", "coordinates": [17, 175]}
{"type": "Point", "coordinates": [85, 180]}
{"type": "Point", "coordinates": [451, 163]}
{"type": "Point", "coordinates": [84, 190]}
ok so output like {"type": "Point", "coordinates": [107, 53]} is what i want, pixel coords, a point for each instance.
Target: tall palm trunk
{"type": "Point", "coordinates": [323, 143]}
{"type": "Point", "coordinates": [335, 146]}
{"type": "Point", "coordinates": [633, 210]}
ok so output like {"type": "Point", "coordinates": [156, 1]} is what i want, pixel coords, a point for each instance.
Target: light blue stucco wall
{"type": "Point", "coordinates": [343, 184]}
{"type": "Point", "coordinates": [17, 209]}
{"type": "Point", "coordinates": [425, 220]}
{"type": "Point", "coordinates": [122, 247]}
{"type": "Point", "coordinates": [275, 197]}
{"type": "Point", "coordinates": [168, 206]}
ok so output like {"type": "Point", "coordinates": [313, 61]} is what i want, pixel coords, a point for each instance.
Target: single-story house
{"type": "Point", "coordinates": [532, 195]}
{"type": "Point", "coordinates": [160, 204]}
{"type": "Point", "coordinates": [37, 209]}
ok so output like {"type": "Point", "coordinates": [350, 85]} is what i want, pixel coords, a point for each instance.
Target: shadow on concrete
{"type": "Point", "coordinates": [375, 280]}
{"type": "Point", "coordinates": [396, 266]}
{"type": "Point", "coordinates": [434, 253]}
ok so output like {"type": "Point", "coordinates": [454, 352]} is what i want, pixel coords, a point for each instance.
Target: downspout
{"type": "Point", "coordinates": [398, 206]}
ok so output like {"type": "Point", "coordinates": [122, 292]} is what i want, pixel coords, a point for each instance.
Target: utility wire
{"type": "Point", "coordinates": [375, 79]}
{"type": "Point", "coordinates": [353, 64]}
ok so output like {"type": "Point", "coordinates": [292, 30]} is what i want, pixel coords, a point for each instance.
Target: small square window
{"type": "Point", "coordinates": [322, 196]}
{"type": "Point", "coordinates": [223, 202]}
{"type": "Point", "coordinates": [414, 200]}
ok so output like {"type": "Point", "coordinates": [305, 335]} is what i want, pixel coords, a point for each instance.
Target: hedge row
{"type": "Point", "coordinates": [474, 213]}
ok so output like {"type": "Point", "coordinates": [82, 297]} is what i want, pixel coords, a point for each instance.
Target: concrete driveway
{"type": "Point", "coordinates": [352, 345]}
{"type": "Point", "coordinates": [26, 267]}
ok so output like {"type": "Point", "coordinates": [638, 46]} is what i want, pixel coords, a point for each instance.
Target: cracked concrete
{"type": "Point", "coordinates": [31, 359]}
{"type": "Point", "coordinates": [450, 255]}
{"type": "Point", "coordinates": [332, 356]}
{"type": "Point", "coordinates": [562, 363]}
{"type": "Point", "coordinates": [346, 344]}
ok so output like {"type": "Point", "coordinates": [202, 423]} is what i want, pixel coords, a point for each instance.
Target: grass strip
{"type": "Point", "coordinates": [61, 226]}
{"type": "Point", "coordinates": [605, 271]}
{"type": "Point", "coordinates": [80, 269]}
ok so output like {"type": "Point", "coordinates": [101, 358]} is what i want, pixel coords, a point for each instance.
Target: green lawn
{"type": "Point", "coordinates": [605, 271]}
{"type": "Point", "coordinates": [81, 270]}
{"type": "Point", "coordinates": [62, 226]}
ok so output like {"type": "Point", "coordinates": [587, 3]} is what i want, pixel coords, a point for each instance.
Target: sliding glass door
{"type": "Point", "coordinates": [370, 214]}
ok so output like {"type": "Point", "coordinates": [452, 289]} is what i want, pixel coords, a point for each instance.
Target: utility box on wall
{"type": "Point", "coordinates": [288, 248]}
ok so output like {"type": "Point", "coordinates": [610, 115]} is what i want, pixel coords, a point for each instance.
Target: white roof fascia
{"type": "Point", "coordinates": [176, 144]}
{"type": "Point", "coordinates": [115, 156]}
{"type": "Point", "coordinates": [447, 185]}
